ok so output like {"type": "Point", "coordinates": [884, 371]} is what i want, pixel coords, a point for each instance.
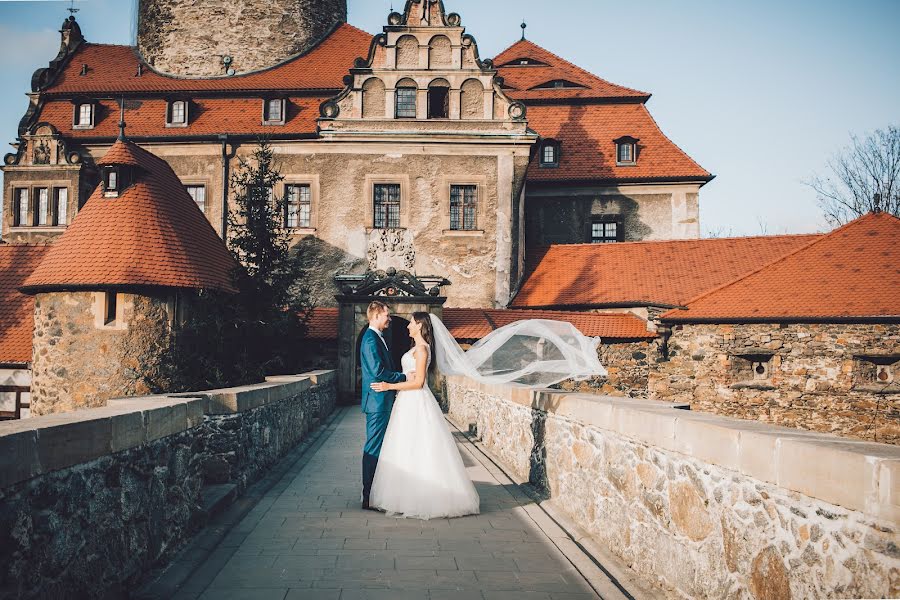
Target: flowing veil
{"type": "Point", "coordinates": [534, 352]}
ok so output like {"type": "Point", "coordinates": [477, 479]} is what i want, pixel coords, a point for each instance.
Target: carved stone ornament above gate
{"type": "Point", "coordinates": [392, 284]}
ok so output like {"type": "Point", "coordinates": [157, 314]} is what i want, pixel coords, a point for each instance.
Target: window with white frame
{"type": "Point", "coordinates": [463, 207]}
{"type": "Point", "coordinates": [298, 206]}
{"type": "Point", "coordinates": [60, 205]}
{"type": "Point", "coordinates": [198, 193]}
{"type": "Point", "coordinates": [178, 113]}
{"type": "Point", "coordinates": [42, 207]}
{"type": "Point", "coordinates": [273, 110]}
{"type": "Point", "coordinates": [604, 231]}
{"type": "Point", "coordinates": [387, 206]}
{"type": "Point", "coordinates": [550, 154]}
{"type": "Point", "coordinates": [20, 209]}
{"type": "Point", "coordinates": [406, 102]}
{"type": "Point", "coordinates": [84, 115]}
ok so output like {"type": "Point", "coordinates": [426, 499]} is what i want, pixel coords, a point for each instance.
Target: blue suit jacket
{"type": "Point", "coordinates": [377, 365]}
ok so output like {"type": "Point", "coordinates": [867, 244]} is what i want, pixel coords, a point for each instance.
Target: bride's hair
{"type": "Point", "coordinates": [424, 320]}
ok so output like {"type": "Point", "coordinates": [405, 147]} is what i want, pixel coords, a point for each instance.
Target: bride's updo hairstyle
{"type": "Point", "coordinates": [424, 320]}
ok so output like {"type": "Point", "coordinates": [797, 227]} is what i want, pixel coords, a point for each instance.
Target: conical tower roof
{"type": "Point", "coordinates": [151, 235]}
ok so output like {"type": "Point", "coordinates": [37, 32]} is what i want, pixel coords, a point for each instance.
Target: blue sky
{"type": "Point", "coordinates": [760, 93]}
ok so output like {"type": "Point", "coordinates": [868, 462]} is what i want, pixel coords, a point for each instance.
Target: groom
{"type": "Point", "coordinates": [377, 365]}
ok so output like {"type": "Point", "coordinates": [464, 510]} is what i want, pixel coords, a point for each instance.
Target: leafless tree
{"type": "Point", "coordinates": [863, 177]}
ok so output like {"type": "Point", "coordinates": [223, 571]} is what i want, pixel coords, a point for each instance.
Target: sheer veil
{"type": "Point", "coordinates": [535, 352]}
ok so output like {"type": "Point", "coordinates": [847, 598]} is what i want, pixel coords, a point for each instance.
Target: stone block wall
{"type": "Point", "coordinates": [628, 366]}
{"type": "Point", "coordinates": [90, 500]}
{"type": "Point", "coordinates": [815, 377]}
{"type": "Point", "coordinates": [705, 506]}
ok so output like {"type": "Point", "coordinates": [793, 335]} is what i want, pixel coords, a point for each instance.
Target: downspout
{"type": "Point", "coordinates": [226, 160]}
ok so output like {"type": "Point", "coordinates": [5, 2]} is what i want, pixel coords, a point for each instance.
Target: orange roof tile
{"type": "Point", "coordinates": [520, 81]}
{"type": "Point", "coordinates": [852, 272]}
{"type": "Point", "coordinates": [655, 273]}
{"type": "Point", "coordinates": [587, 151]}
{"type": "Point", "coordinates": [207, 117]}
{"type": "Point", "coordinates": [17, 261]}
{"type": "Point", "coordinates": [113, 69]}
{"type": "Point", "coordinates": [475, 323]}
{"type": "Point", "coordinates": [153, 234]}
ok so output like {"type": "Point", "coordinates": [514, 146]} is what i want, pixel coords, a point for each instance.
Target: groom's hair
{"type": "Point", "coordinates": [376, 308]}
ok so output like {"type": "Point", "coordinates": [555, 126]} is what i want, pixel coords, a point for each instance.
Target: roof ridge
{"type": "Point", "coordinates": [684, 241]}
{"type": "Point", "coordinates": [767, 265]}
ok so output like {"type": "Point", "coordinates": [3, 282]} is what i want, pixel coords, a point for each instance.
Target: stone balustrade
{"type": "Point", "coordinates": [705, 506]}
{"type": "Point", "coordinates": [90, 500]}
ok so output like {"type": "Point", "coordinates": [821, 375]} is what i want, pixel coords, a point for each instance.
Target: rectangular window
{"type": "Point", "coordinates": [298, 206]}
{"type": "Point", "coordinates": [42, 206]}
{"type": "Point", "coordinates": [275, 111]}
{"type": "Point", "coordinates": [387, 206]}
{"type": "Point", "coordinates": [463, 207]}
{"type": "Point", "coordinates": [60, 206]}
{"type": "Point", "coordinates": [626, 153]}
{"type": "Point", "coordinates": [84, 115]}
{"type": "Point", "coordinates": [198, 193]}
{"type": "Point", "coordinates": [604, 232]}
{"type": "Point", "coordinates": [21, 207]}
{"type": "Point", "coordinates": [438, 103]}
{"type": "Point", "coordinates": [109, 314]}
{"type": "Point", "coordinates": [406, 103]}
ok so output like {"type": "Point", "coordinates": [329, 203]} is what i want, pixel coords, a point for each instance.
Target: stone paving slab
{"type": "Point", "coordinates": [309, 539]}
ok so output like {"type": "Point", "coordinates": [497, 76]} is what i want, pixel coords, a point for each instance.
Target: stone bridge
{"type": "Point", "coordinates": [253, 492]}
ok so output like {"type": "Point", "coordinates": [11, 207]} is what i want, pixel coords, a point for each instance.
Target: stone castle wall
{"type": "Point", "coordinates": [79, 363]}
{"type": "Point", "coordinates": [705, 506]}
{"type": "Point", "coordinates": [190, 37]}
{"type": "Point", "coordinates": [628, 366]}
{"type": "Point", "coordinates": [89, 502]}
{"type": "Point", "coordinates": [820, 377]}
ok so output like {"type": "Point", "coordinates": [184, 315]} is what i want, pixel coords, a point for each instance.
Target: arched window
{"type": "Point", "coordinates": [408, 52]}
{"type": "Point", "coordinates": [439, 99]}
{"type": "Point", "coordinates": [626, 150]}
{"type": "Point", "coordinates": [406, 99]}
{"type": "Point", "coordinates": [440, 52]}
{"type": "Point", "coordinates": [472, 100]}
{"type": "Point", "coordinates": [373, 98]}
{"type": "Point", "coordinates": [550, 153]}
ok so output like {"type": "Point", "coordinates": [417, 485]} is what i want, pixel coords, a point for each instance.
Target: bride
{"type": "Point", "coordinates": [420, 472]}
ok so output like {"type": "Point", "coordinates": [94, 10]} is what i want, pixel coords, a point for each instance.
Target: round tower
{"type": "Point", "coordinates": [198, 38]}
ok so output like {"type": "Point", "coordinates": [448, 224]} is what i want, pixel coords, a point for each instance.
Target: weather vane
{"type": "Point", "coordinates": [72, 10]}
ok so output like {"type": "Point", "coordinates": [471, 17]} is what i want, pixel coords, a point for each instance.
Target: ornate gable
{"type": "Point", "coordinates": [423, 72]}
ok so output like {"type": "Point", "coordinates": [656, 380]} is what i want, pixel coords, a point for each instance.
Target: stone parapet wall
{"type": "Point", "coordinates": [90, 500]}
{"type": "Point", "coordinates": [705, 506]}
{"type": "Point", "coordinates": [628, 367]}
{"type": "Point", "coordinates": [821, 377]}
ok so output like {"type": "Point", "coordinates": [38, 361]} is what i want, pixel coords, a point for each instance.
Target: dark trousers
{"type": "Point", "coordinates": [376, 426]}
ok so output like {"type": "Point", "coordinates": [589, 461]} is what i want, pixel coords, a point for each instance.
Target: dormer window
{"type": "Point", "coordinates": [558, 84]}
{"type": "Point", "coordinates": [177, 113]}
{"type": "Point", "coordinates": [115, 179]}
{"type": "Point", "coordinates": [524, 61]}
{"type": "Point", "coordinates": [626, 151]}
{"type": "Point", "coordinates": [550, 153]}
{"type": "Point", "coordinates": [84, 115]}
{"type": "Point", "coordinates": [274, 111]}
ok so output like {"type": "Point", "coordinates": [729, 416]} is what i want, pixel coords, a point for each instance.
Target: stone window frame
{"type": "Point", "coordinates": [18, 219]}
{"type": "Point", "coordinates": [403, 180]}
{"type": "Point", "coordinates": [77, 104]}
{"type": "Point", "coordinates": [759, 358]}
{"type": "Point", "coordinates": [31, 205]}
{"type": "Point", "coordinates": [876, 363]}
{"type": "Point", "coordinates": [623, 142]}
{"type": "Point", "coordinates": [557, 150]}
{"type": "Point", "coordinates": [100, 306]}
{"type": "Point", "coordinates": [265, 111]}
{"type": "Point", "coordinates": [312, 180]}
{"type": "Point", "coordinates": [198, 183]}
{"type": "Point", "coordinates": [170, 107]}
{"type": "Point", "coordinates": [55, 204]}
{"type": "Point", "coordinates": [37, 212]}
{"type": "Point", "coordinates": [438, 84]}
{"type": "Point", "coordinates": [480, 183]}
{"type": "Point", "coordinates": [403, 84]}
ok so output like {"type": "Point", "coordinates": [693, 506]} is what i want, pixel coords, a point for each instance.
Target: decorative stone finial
{"type": "Point", "coordinates": [524, 26]}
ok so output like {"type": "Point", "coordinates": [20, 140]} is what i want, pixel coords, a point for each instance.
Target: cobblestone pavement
{"type": "Point", "coordinates": [309, 538]}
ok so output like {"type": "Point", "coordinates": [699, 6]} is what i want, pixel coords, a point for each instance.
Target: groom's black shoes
{"type": "Point", "coordinates": [365, 504]}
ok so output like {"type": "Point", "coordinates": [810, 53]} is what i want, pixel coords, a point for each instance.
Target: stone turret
{"type": "Point", "coordinates": [200, 38]}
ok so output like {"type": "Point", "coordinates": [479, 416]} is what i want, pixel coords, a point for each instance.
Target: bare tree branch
{"type": "Point", "coordinates": [857, 174]}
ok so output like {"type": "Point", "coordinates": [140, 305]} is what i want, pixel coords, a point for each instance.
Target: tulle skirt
{"type": "Point", "coordinates": [420, 472]}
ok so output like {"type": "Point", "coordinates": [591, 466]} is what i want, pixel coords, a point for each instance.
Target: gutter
{"type": "Point", "coordinates": [226, 161]}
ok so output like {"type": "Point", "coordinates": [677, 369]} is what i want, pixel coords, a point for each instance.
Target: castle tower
{"type": "Point", "coordinates": [111, 293]}
{"type": "Point", "coordinates": [199, 38]}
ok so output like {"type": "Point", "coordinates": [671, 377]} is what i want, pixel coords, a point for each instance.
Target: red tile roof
{"type": "Point", "coordinates": [207, 117]}
{"type": "Point", "coordinates": [113, 69]}
{"type": "Point", "coordinates": [663, 273]}
{"type": "Point", "coordinates": [587, 152]}
{"type": "Point", "coordinates": [17, 261]}
{"type": "Point", "coordinates": [852, 272]}
{"type": "Point", "coordinates": [475, 323]}
{"type": "Point", "coordinates": [153, 234]}
{"type": "Point", "coordinates": [520, 81]}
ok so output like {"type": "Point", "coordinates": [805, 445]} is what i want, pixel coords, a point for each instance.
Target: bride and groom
{"type": "Point", "coordinates": [411, 465]}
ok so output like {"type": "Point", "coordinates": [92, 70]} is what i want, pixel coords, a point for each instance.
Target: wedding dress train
{"type": "Point", "coordinates": [420, 472]}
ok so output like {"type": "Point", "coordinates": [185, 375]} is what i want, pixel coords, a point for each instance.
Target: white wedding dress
{"type": "Point", "coordinates": [420, 472]}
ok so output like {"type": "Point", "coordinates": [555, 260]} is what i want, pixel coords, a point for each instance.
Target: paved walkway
{"type": "Point", "coordinates": [308, 538]}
